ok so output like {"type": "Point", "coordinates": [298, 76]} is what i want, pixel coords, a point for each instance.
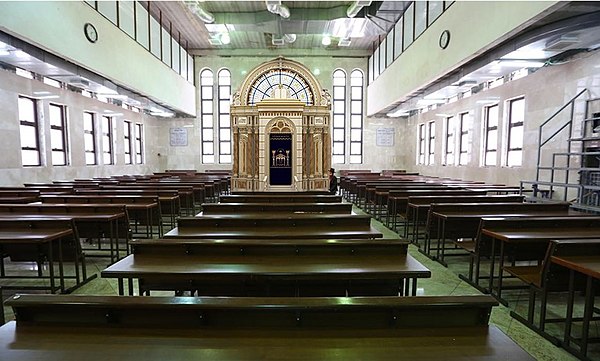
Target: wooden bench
{"type": "Point", "coordinates": [42, 239]}
{"type": "Point", "coordinates": [271, 275]}
{"type": "Point", "coordinates": [281, 198]}
{"type": "Point", "coordinates": [186, 193]}
{"type": "Point", "coordinates": [19, 196]}
{"type": "Point", "coordinates": [417, 208]}
{"type": "Point", "coordinates": [459, 222]}
{"type": "Point", "coordinates": [585, 265]}
{"type": "Point", "coordinates": [91, 220]}
{"type": "Point", "coordinates": [398, 203]}
{"type": "Point", "coordinates": [275, 226]}
{"type": "Point", "coordinates": [158, 328]}
{"type": "Point", "coordinates": [560, 270]}
{"type": "Point", "coordinates": [276, 208]}
{"type": "Point", "coordinates": [526, 239]}
{"type": "Point", "coordinates": [143, 211]}
{"type": "Point", "coordinates": [170, 204]}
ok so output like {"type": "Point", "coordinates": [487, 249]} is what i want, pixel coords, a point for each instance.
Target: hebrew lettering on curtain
{"type": "Point", "coordinates": [280, 152]}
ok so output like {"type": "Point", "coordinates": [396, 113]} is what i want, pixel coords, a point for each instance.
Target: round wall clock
{"type": "Point", "coordinates": [444, 39]}
{"type": "Point", "coordinates": [90, 32]}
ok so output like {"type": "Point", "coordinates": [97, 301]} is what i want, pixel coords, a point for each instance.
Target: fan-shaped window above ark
{"type": "Point", "coordinates": [280, 83]}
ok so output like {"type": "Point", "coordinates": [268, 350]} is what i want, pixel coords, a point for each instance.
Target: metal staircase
{"type": "Point", "coordinates": [573, 175]}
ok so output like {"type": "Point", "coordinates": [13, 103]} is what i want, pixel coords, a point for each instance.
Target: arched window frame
{"type": "Point", "coordinates": [357, 82]}
{"type": "Point", "coordinates": [207, 115]}
{"type": "Point", "coordinates": [224, 115]}
{"type": "Point", "coordinates": [339, 80]}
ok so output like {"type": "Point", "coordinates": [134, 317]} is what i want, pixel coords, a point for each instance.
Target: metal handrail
{"type": "Point", "coordinates": [541, 128]}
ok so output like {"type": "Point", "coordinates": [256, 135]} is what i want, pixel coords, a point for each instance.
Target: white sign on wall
{"type": "Point", "coordinates": [385, 137]}
{"type": "Point", "coordinates": [178, 137]}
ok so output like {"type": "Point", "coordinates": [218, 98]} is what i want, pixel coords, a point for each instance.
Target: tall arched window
{"type": "Point", "coordinates": [206, 116]}
{"type": "Point", "coordinates": [339, 116]}
{"type": "Point", "coordinates": [356, 116]}
{"type": "Point", "coordinates": [224, 116]}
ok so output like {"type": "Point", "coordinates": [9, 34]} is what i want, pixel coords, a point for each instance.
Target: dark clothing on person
{"type": "Point", "coordinates": [333, 184]}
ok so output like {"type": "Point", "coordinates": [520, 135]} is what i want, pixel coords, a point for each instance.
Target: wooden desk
{"type": "Point", "coordinates": [248, 275]}
{"type": "Point", "coordinates": [157, 328]}
{"type": "Point", "coordinates": [398, 201]}
{"type": "Point", "coordinates": [461, 220]}
{"type": "Point", "coordinates": [269, 247]}
{"type": "Point", "coordinates": [276, 208]}
{"type": "Point", "coordinates": [527, 239]}
{"type": "Point", "coordinates": [91, 220]}
{"type": "Point", "coordinates": [284, 198]}
{"type": "Point", "coordinates": [589, 266]}
{"type": "Point", "coordinates": [40, 239]}
{"type": "Point", "coordinates": [294, 226]}
{"type": "Point", "coordinates": [143, 211]}
{"type": "Point", "coordinates": [418, 207]}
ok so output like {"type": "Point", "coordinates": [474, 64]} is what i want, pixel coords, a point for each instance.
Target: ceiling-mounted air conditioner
{"type": "Point", "coordinates": [79, 82]}
{"type": "Point", "coordinates": [561, 43]}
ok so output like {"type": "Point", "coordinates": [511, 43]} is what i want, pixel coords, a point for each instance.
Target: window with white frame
{"type": "Point", "coordinates": [339, 117]}
{"type": "Point", "coordinates": [107, 140]}
{"type": "Point", "coordinates": [139, 143]}
{"type": "Point", "coordinates": [450, 142]}
{"type": "Point", "coordinates": [28, 128]}
{"type": "Point", "coordinates": [58, 134]}
{"type": "Point", "coordinates": [356, 116]}
{"type": "Point", "coordinates": [490, 139]}
{"type": "Point", "coordinates": [464, 123]}
{"type": "Point", "coordinates": [224, 83]}
{"type": "Point", "coordinates": [207, 115]}
{"type": "Point", "coordinates": [516, 117]}
{"type": "Point", "coordinates": [127, 141]}
{"type": "Point", "coordinates": [431, 143]}
{"type": "Point", "coordinates": [89, 138]}
{"type": "Point", "coordinates": [421, 145]}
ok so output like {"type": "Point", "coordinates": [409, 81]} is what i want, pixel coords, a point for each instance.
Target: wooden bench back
{"type": "Point", "coordinates": [466, 199]}
{"type": "Point", "coordinates": [264, 247]}
{"type": "Point", "coordinates": [110, 199]}
{"type": "Point", "coordinates": [280, 199]}
{"type": "Point", "coordinates": [509, 207]}
{"type": "Point", "coordinates": [345, 221]}
{"type": "Point", "coordinates": [24, 252]}
{"type": "Point", "coordinates": [300, 208]}
{"type": "Point", "coordinates": [253, 313]}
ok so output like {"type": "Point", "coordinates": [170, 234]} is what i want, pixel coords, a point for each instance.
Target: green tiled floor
{"type": "Point", "coordinates": [444, 281]}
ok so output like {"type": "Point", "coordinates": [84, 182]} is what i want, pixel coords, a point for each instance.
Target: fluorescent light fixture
{"type": "Point", "coordinates": [216, 28]}
{"type": "Point", "coordinates": [488, 101]}
{"type": "Point", "coordinates": [42, 93]}
{"type": "Point", "coordinates": [442, 115]}
{"type": "Point", "coordinates": [48, 97]}
{"type": "Point", "coordinates": [522, 63]}
{"type": "Point", "coordinates": [398, 113]}
{"type": "Point", "coordinates": [326, 40]}
{"type": "Point", "coordinates": [225, 38]}
{"type": "Point", "coordinates": [422, 102]}
{"type": "Point", "coordinates": [21, 54]}
{"type": "Point", "coordinates": [4, 52]}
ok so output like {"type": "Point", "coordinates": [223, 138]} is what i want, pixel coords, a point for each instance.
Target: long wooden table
{"type": "Point", "coordinates": [40, 239]}
{"type": "Point", "coordinates": [276, 208]}
{"type": "Point", "coordinates": [91, 220]}
{"type": "Point", "coordinates": [298, 226]}
{"type": "Point", "coordinates": [281, 198]}
{"type": "Point", "coordinates": [527, 239]}
{"type": "Point", "coordinates": [158, 329]}
{"type": "Point", "coordinates": [277, 275]}
{"type": "Point", "coordinates": [461, 220]}
{"type": "Point", "coordinates": [589, 267]}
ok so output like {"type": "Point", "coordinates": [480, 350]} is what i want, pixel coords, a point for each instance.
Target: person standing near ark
{"type": "Point", "coordinates": [333, 183]}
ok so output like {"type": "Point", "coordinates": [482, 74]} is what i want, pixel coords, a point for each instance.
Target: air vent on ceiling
{"type": "Point", "coordinates": [215, 41]}
{"type": "Point", "coordinates": [344, 42]}
{"type": "Point", "coordinates": [277, 41]}
{"type": "Point", "coordinates": [561, 43]}
{"type": "Point", "coordinates": [79, 83]}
